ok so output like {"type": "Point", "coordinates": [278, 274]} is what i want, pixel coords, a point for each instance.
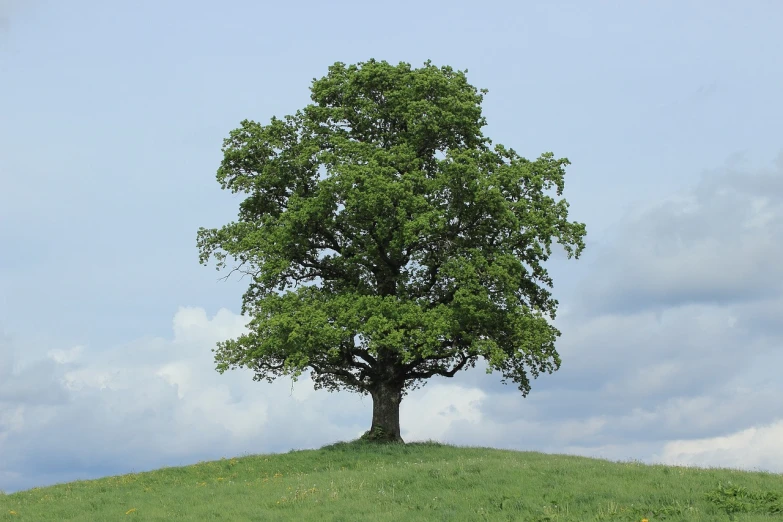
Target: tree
{"type": "Point", "coordinates": [433, 261]}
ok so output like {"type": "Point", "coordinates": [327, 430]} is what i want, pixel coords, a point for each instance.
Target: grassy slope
{"type": "Point", "coordinates": [420, 481]}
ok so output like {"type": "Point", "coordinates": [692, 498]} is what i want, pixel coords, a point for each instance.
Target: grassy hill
{"type": "Point", "coordinates": [419, 481]}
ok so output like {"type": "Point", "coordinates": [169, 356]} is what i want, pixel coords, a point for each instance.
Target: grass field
{"type": "Point", "coordinates": [419, 481]}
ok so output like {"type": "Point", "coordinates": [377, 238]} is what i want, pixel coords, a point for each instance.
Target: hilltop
{"type": "Point", "coordinates": [427, 481]}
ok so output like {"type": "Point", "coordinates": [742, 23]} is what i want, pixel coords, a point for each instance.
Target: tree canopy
{"type": "Point", "coordinates": [428, 241]}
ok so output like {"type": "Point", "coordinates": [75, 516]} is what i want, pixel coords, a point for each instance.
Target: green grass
{"type": "Point", "coordinates": [420, 481]}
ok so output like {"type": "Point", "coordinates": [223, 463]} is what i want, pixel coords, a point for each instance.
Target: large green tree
{"type": "Point", "coordinates": [428, 242]}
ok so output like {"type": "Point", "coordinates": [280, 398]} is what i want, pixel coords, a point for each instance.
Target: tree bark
{"type": "Point", "coordinates": [386, 398]}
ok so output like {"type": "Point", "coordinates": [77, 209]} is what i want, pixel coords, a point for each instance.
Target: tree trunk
{"type": "Point", "coordinates": [386, 398]}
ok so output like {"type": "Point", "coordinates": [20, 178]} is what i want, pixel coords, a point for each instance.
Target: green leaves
{"type": "Point", "coordinates": [428, 244]}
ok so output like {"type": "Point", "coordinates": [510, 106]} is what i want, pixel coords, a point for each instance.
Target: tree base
{"type": "Point", "coordinates": [378, 435]}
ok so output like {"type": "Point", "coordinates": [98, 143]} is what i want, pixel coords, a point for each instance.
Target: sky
{"type": "Point", "coordinates": [112, 117]}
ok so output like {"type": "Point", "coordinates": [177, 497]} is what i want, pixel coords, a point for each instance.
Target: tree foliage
{"type": "Point", "coordinates": [429, 242]}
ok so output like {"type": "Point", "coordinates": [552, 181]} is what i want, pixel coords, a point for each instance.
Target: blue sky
{"type": "Point", "coordinates": [112, 121]}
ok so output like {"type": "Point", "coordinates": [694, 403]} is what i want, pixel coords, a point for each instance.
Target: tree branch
{"type": "Point", "coordinates": [260, 366]}
{"type": "Point", "coordinates": [365, 355]}
{"type": "Point", "coordinates": [344, 375]}
{"type": "Point", "coordinates": [408, 367]}
{"type": "Point", "coordinates": [440, 371]}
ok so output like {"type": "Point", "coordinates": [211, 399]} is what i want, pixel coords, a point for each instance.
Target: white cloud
{"type": "Point", "coordinates": [156, 402]}
{"type": "Point", "coordinates": [152, 402]}
{"type": "Point", "coordinates": [753, 448]}
{"type": "Point", "coordinates": [433, 410]}
{"type": "Point", "coordinates": [177, 374]}
{"type": "Point", "coordinates": [65, 356]}
{"type": "Point", "coordinates": [191, 325]}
